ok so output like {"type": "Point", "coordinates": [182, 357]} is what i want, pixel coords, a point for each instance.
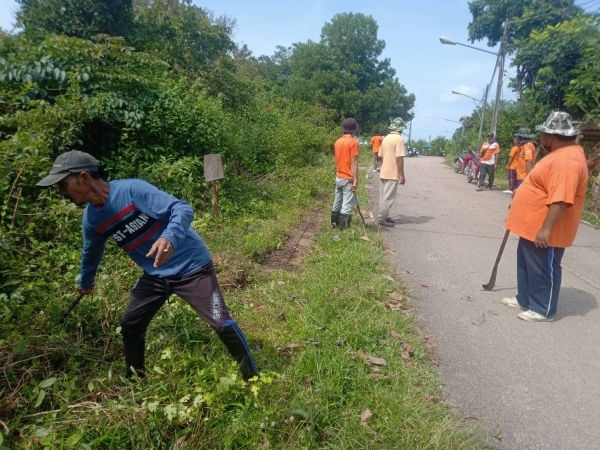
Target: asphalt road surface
{"type": "Point", "coordinates": [539, 383]}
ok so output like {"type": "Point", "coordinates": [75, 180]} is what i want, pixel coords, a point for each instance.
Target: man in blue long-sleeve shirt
{"type": "Point", "coordinates": [153, 228]}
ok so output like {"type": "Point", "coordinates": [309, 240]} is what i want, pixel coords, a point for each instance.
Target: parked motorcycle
{"type": "Point", "coordinates": [459, 163]}
{"type": "Point", "coordinates": [471, 167]}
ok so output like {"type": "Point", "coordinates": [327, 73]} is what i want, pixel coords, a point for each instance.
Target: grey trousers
{"type": "Point", "coordinates": [375, 161]}
{"type": "Point", "coordinates": [344, 196]}
{"type": "Point", "coordinates": [387, 197]}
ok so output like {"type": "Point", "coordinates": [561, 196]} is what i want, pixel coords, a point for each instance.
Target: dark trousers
{"type": "Point", "coordinates": [539, 276]}
{"type": "Point", "coordinates": [486, 169]}
{"type": "Point", "coordinates": [202, 292]}
{"type": "Point", "coordinates": [375, 161]}
{"type": "Point", "coordinates": [512, 179]}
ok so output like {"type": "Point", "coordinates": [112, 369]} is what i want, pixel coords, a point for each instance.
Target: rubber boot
{"type": "Point", "coordinates": [335, 219]}
{"type": "Point", "coordinates": [135, 347]}
{"type": "Point", "coordinates": [345, 221]}
{"type": "Point", "coordinates": [231, 335]}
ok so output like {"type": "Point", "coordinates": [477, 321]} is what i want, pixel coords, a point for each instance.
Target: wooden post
{"type": "Point", "coordinates": [215, 198]}
{"type": "Point", "coordinates": [213, 170]}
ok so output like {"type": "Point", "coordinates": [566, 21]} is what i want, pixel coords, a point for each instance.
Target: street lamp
{"type": "Point", "coordinates": [445, 41]}
{"type": "Point", "coordinates": [463, 126]}
{"type": "Point", "coordinates": [482, 113]}
{"type": "Point", "coordinates": [465, 95]}
{"type": "Point", "coordinates": [499, 64]}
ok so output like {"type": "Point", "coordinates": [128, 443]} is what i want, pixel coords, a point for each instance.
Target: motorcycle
{"type": "Point", "coordinates": [459, 163]}
{"type": "Point", "coordinates": [471, 167]}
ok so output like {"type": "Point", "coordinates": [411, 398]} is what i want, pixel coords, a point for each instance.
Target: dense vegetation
{"type": "Point", "coordinates": [150, 87]}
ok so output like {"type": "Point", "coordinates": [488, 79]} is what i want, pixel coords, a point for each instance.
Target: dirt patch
{"type": "Point", "coordinates": [290, 256]}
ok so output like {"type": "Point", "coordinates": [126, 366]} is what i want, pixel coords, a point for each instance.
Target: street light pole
{"type": "Point", "coordinates": [482, 115]}
{"type": "Point", "coordinates": [500, 78]}
{"type": "Point", "coordinates": [445, 41]}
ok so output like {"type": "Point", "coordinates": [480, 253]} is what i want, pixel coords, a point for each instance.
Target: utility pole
{"type": "Point", "coordinates": [482, 115]}
{"type": "Point", "coordinates": [409, 131]}
{"type": "Point", "coordinates": [501, 56]}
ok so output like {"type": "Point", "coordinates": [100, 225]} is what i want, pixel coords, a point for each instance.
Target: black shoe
{"type": "Point", "coordinates": [385, 223]}
{"type": "Point", "coordinates": [335, 219]}
{"type": "Point", "coordinates": [345, 221]}
{"type": "Point", "coordinates": [390, 220]}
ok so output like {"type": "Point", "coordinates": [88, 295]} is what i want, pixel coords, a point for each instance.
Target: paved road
{"type": "Point", "coordinates": [539, 382]}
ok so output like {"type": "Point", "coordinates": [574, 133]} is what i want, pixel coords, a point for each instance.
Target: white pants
{"type": "Point", "coordinates": [387, 197]}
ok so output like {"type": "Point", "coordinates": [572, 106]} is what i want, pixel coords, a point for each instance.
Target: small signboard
{"type": "Point", "coordinates": [213, 167]}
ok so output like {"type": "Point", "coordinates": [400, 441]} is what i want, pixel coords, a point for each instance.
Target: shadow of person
{"type": "Point", "coordinates": [404, 220]}
{"type": "Point", "coordinates": [575, 302]}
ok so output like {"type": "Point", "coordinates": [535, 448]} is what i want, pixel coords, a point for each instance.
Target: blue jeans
{"type": "Point", "coordinates": [345, 197]}
{"type": "Point", "coordinates": [539, 276]}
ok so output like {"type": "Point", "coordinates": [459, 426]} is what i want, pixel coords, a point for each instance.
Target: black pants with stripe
{"type": "Point", "coordinates": [202, 292]}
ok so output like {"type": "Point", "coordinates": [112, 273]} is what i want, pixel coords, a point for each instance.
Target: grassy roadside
{"type": "Point", "coordinates": [321, 337]}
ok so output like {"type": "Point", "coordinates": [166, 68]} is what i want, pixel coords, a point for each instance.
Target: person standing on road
{"type": "Point", "coordinates": [376, 145]}
{"type": "Point", "coordinates": [526, 158]}
{"type": "Point", "coordinates": [391, 155]}
{"type": "Point", "coordinates": [545, 214]}
{"type": "Point", "coordinates": [153, 228]}
{"type": "Point", "coordinates": [488, 160]}
{"type": "Point", "coordinates": [346, 178]}
{"type": "Point", "coordinates": [511, 167]}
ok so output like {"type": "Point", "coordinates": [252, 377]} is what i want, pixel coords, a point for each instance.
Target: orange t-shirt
{"type": "Point", "coordinates": [526, 153]}
{"type": "Point", "coordinates": [345, 148]}
{"type": "Point", "coordinates": [514, 154]}
{"type": "Point", "coordinates": [376, 143]}
{"type": "Point", "coordinates": [561, 176]}
{"type": "Point", "coordinates": [489, 152]}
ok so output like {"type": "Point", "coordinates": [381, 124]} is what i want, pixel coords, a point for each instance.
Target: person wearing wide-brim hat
{"type": "Point", "coordinates": [391, 174]}
{"type": "Point", "coordinates": [346, 178]}
{"type": "Point", "coordinates": [545, 214]}
{"type": "Point", "coordinates": [526, 157]}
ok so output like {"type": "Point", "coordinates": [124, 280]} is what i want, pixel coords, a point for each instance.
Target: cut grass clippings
{"type": "Point", "coordinates": [343, 363]}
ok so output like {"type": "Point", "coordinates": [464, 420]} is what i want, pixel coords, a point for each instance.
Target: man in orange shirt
{"type": "Point", "coordinates": [488, 160]}
{"type": "Point", "coordinates": [511, 167]}
{"type": "Point", "coordinates": [526, 154]}
{"type": "Point", "coordinates": [346, 181]}
{"type": "Point", "coordinates": [376, 144]}
{"type": "Point", "coordinates": [545, 214]}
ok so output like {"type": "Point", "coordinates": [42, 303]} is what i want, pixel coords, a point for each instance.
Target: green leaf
{"type": "Point", "coordinates": [85, 77]}
{"type": "Point", "coordinates": [47, 382]}
{"type": "Point", "coordinates": [90, 386]}
{"type": "Point", "coordinates": [40, 398]}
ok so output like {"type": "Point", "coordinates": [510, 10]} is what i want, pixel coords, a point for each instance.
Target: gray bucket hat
{"type": "Point", "coordinates": [525, 133]}
{"type": "Point", "coordinates": [68, 163]}
{"type": "Point", "coordinates": [397, 124]}
{"type": "Point", "coordinates": [559, 123]}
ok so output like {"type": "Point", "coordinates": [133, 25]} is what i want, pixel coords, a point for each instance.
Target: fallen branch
{"type": "Point", "coordinates": [78, 405]}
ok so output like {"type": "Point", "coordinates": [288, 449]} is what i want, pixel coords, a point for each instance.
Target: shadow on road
{"type": "Point", "coordinates": [575, 302]}
{"type": "Point", "coordinates": [403, 220]}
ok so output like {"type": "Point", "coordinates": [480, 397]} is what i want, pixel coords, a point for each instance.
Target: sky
{"type": "Point", "coordinates": [411, 30]}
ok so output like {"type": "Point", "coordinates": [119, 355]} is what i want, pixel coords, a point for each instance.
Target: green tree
{"type": "Point", "coordinates": [185, 36]}
{"type": "Point", "coordinates": [79, 18]}
{"type": "Point", "coordinates": [343, 72]}
{"type": "Point", "coordinates": [549, 57]}
{"type": "Point", "coordinates": [524, 17]}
